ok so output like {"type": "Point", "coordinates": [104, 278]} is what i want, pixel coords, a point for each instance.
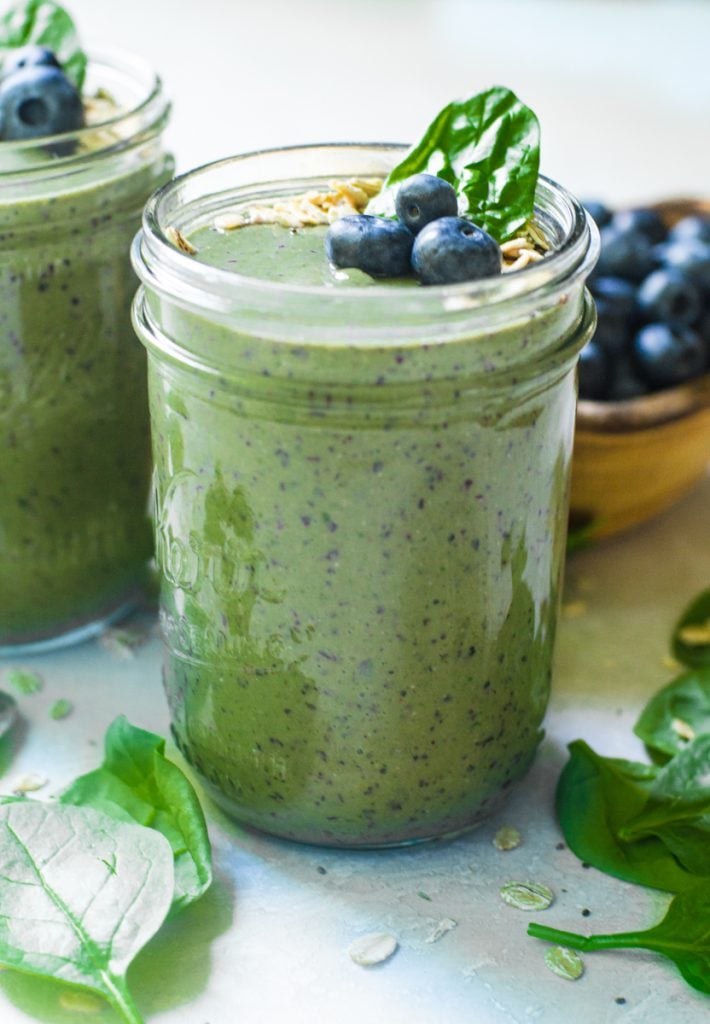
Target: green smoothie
{"type": "Point", "coordinates": [74, 473]}
{"type": "Point", "coordinates": [361, 535]}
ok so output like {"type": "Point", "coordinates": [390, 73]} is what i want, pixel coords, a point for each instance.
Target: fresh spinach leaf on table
{"type": "Point", "coordinates": [80, 895]}
{"type": "Point", "coordinates": [676, 714]}
{"type": "Point", "coordinates": [137, 782]}
{"type": "Point", "coordinates": [596, 797]}
{"type": "Point", "coordinates": [45, 23]}
{"type": "Point", "coordinates": [683, 936]}
{"type": "Point", "coordinates": [690, 641]}
{"type": "Point", "coordinates": [488, 148]}
{"type": "Point", "coordinates": [678, 809]}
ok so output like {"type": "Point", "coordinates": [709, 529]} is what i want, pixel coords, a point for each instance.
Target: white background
{"type": "Point", "coordinates": [622, 87]}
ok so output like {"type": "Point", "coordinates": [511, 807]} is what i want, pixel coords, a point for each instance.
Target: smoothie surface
{"type": "Point", "coordinates": [271, 252]}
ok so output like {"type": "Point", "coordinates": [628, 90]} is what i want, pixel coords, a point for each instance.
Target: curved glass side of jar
{"type": "Point", "coordinates": [360, 525]}
{"type": "Point", "coordinates": [75, 534]}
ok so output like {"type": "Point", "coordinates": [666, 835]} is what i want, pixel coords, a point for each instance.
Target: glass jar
{"type": "Point", "coordinates": [75, 535]}
{"type": "Point", "coordinates": [360, 500]}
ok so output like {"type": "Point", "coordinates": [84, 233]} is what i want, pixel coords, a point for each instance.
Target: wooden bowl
{"type": "Point", "coordinates": [635, 458]}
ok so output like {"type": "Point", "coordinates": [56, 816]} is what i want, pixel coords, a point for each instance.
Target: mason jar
{"type": "Point", "coordinates": [75, 535]}
{"type": "Point", "coordinates": [360, 514]}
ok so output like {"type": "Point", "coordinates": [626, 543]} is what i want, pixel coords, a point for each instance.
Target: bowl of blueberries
{"type": "Point", "coordinates": [642, 437]}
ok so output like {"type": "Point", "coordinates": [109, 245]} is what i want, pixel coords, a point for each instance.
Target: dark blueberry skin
{"type": "Point", "coordinates": [669, 296]}
{"type": "Point", "coordinates": [613, 334]}
{"type": "Point", "coordinates": [690, 257]}
{"type": "Point", "coordinates": [625, 381]}
{"type": "Point", "coordinates": [30, 57]}
{"type": "Point", "coordinates": [38, 101]}
{"type": "Point", "coordinates": [424, 198]}
{"type": "Point", "coordinates": [625, 254]}
{"type": "Point", "coordinates": [693, 228]}
{"type": "Point", "coordinates": [600, 214]}
{"type": "Point", "coordinates": [594, 371]}
{"type": "Point", "coordinates": [378, 246]}
{"type": "Point", "coordinates": [665, 355]}
{"type": "Point", "coordinates": [452, 249]}
{"type": "Point", "coordinates": [645, 222]}
{"type": "Point", "coordinates": [615, 297]}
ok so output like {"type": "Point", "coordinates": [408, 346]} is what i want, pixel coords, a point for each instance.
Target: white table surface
{"type": "Point", "coordinates": [620, 88]}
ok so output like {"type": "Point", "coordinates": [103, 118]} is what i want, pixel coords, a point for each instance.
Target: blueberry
{"type": "Point", "coordinates": [669, 296]}
{"type": "Point", "coordinates": [695, 228]}
{"type": "Point", "coordinates": [690, 257]}
{"type": "Point", "coordinates": [452, 249]}
{"type": "Point", "coordinates": [30, 57]}
{"type": "Point", "coordinates": [645, 222]}
{"type": "Point", "coordinates": [627, 254]}
{"type": "Point", "coordinates": [615, 297]}
{"type": "Point", "coordinates": [600, 214]}
{"type": "Point", "coordinates": [377, 245]}
{"type": "Point", "coordinates": [424, 198]}
{"type": "Point", "coordinates": [625, 382]}
{"type": "Point", "coordinates": [594, 367]}
{"type": "Point", "coordinates": [37, 101]}
{"type": "Point", "coordinates": [666, 355]}
{"type": "Point", "coordinates": [612, 334]}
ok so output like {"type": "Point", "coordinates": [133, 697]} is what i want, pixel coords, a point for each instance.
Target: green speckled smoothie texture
{"type": "Point", "coordinates": [74, 433]}
{"type": "Point", "coordinates": [360, 581]}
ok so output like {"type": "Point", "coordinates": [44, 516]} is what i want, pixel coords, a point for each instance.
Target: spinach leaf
{"type": "Point", "coordinates": [45, 23]}
{"type": "Point", "coordinates": [488, 148]}
{"type": "Point", "coordinates": [596, 797]}
{"type": "Point", "coordinates": [683, 936]}
{"type": "Point", "coordinates": [80, 895]}
{"type": "Point", "coordinates": [678, 808]}
{"type": "Point", "coordinates": [137, 782]}
{"type": "Point", "coordinates": [676, 714]}
{"type": "Point", "coordinates": [691, 636]}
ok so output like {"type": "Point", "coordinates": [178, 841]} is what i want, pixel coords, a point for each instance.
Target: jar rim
{"type": "Point", "coordinates": [172, 272]}
{"type": "Point", "coordinates": [142, 120]}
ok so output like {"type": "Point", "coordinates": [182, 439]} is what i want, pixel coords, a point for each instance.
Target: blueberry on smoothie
{"type": "Point", "coordinates": [424, 198]}
{"type": "Point", "coordinates": [37, 101]}
{"type": "Point", "coordinates": [30, 57]}
{"type": "Point", "coordinates": [452, 249]}
{"type": "Point", "coordinates": [376, 245]}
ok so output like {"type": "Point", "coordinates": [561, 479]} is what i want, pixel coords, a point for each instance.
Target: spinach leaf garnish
{"type": "Point", "coordinates": [137, 782]}
{"type": "Point", "coordinates": [45, 23]}
{"type": "Point", "coordinates": [81, 894]}
{"type": "Point", "coordinates": [488, 148]}
{"type": "Point", "coordinates": [683, 936]}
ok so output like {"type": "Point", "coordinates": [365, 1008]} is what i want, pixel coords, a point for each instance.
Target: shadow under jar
{"type": "Point", "coordinates": [361, 499]}
{"type": "Point", "coordinates": [74, 435]}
